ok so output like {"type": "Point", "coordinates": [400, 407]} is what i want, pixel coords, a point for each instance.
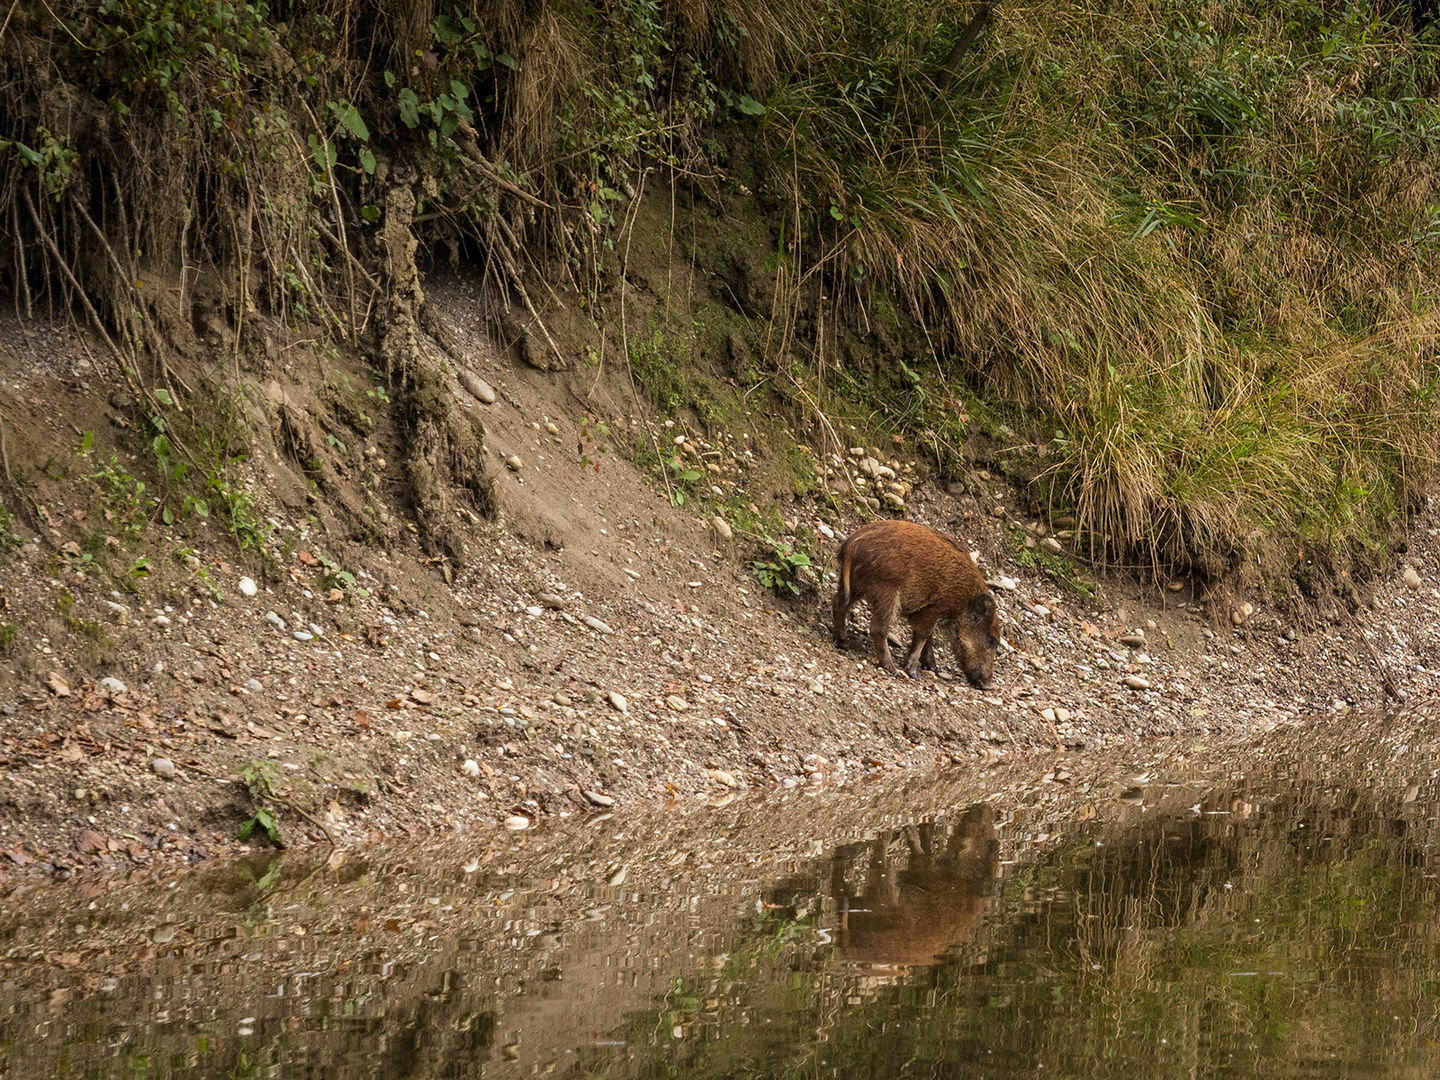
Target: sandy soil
{"type": "Point", "coordinates": [600, 649]}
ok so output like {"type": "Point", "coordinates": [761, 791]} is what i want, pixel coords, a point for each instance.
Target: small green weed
{"type": "Point", "coordinates": [9, 634]}
{"type": "Point", "coordinates": [781, 566]}
{"type": "Point", "coordinates": [338, 578]}
{"type": "Point", "coordinates": [123, 497]}
{"type": "Point", "coordinates": [262, 780]}
{"type": "Point", "coordinates": [9, 538]}
{"type": "Point", "coordinates": [1057, 567]}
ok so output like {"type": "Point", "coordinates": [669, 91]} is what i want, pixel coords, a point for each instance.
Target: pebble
{"type": "Point", "coordinates": [303, 635]}
{"type": "Point", "coordinates": [825, 531]}
{"type": "Point", "coordinates": [516, 823]}
{"type": "Point", "coordinates": [676, 702]}
{"type": "Point", "coordinates": [551, 428]}
{"type": "Point", "coordinates": [720, 776]}
{"type": "Point", "coordinates": [477, 386]}
{"type": "Point", "coordinates": [117, 609]}
{"type": "Point", "coordinates": [1009, 584]}
{"type": "Point", "coordinates": [1134, 640]}
{"type": "Point", "coordinates": [162, 621]}
{"type": "Point", "coordinates": [248, 586]}
{"type": "Point", "coordinates": [598, 799]}
{"type": "Point", "coordinates": [722, 528]}
{"type": "Point", "coordinates": [551, 600]}
{"type": "Point", "coordinates": [163, 766]}
{"type": "Point", "coordinates": [596, 625]}
{"type": "Point", "coordinates": [895, 502]}
{"type": "Point", "coordinates": [617, 701]}
{"type": "Point", "coordinates": [513, 463]}
{"type": "Point", "coordinates": [316, 630]}
{"type": "Point", "coordinates": [255, 686]}
{"type": "Point", "coordinates": [113, 685]}
{"type": "Point", "coordinates": [1411, 578]}
{"type": "Point", "coordinates": [997, 511]}
{"type": "Point", "coordinates": [275, 620]}
{"type": "Point", "coordinates": [533, 610]}
{"type": "Point", "coordinates": [1135, 682]}
{"type": "Point", "coordinates": [1240, 613]}
{"type": "Point", "coordinates": [1051, 545]}
{"type": "Point", "coordinates": [471, 767]}
{"type": "Point", "coordinates": [562, 699]}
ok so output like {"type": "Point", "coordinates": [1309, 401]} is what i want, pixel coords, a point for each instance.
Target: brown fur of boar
{"type": "Point", "coordinates": [901, 568]}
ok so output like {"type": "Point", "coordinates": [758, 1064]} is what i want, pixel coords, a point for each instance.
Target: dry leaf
{"type": "Point", "coordinates": [57, 684]}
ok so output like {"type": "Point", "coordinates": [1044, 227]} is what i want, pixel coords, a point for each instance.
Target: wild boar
{"type": "Point", "coordinates": [901, 568]}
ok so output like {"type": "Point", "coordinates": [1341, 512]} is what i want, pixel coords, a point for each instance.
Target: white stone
{"type": "Point", "coordinates": [248, 586]}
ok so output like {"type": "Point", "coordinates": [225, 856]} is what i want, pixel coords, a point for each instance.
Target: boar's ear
{"type": "Point", "coordinates": [982, 608]}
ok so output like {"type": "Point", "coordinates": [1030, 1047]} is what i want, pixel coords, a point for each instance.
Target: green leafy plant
{"type": "Point", "coordinates": [781, 566]}
{"type": "Point", "coordinates": [262, 780]}
{"type": "Point", "coordinates": [9, 538]}
{"type": "Point", "coordinates": [338, 578]}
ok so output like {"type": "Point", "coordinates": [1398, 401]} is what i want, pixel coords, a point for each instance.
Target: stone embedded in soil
{"type": "Point", "coordinates": [112, 685]}
{"type": "Point", "coordinates": [1135, 682]}
{"type": "Point", "coordinates": [163, 766]}
{"type": "Point", "coordinates": [304, 635]}
{"type": "Point", "coordinates": [1009, 584]}
{"type": "Point", "coordinates": [248, 586]}
{"type": "Point", "coordinates": [513, 463]}
{"type": "Point", "coordinates": [598, 799]}
{"type": "Point", "coordinates": [1051, 545]}
{"type": "Point", "coordinates": [471, 767]}
{"type": "Point", "coordinates": [534, 610]}
{"type": "Point", "coordinates": [275, 620]}
{"type": "Point", "coordinates": [516, 823]}
{"type": "Point", "coordinates": [1240, 613]}
{"type": "Point", "coordinates": [1411, 578]}
{"type": "Point", "coordinates": [722, 528]}
{"type": "Point", "coordinates": [720, 776]}
{"type": "Point", "coordinates": [677, 703]}
{"type": "Point", "coordinates": [562, 700]}
{"type": "Point", "coordinates": [551, 601]}
{"type": "Point", "coordinates": [617, 701]}
{"type": "Point", "coordinates": [1134, 640]}
{"type": "Point", "coordinates": [255, 686]}
{"type": "Point", "coordinates": [596, 625]}
{"type": "Point", "coordinates": [477, 387]}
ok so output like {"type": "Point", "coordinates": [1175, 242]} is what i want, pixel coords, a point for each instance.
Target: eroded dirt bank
{"type": "Point", "coordinates": [600, 649]}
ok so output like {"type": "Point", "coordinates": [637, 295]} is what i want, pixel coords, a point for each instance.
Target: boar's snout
{"type": "Point", "coordinates": [981, 674]}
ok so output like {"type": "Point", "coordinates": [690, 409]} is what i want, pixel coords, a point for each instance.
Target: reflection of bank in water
{"type": "Point", "coordinates": [901, 919]}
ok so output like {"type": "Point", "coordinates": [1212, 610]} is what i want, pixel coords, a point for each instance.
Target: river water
{"type": "Point", "coordinates": [1189, 914]}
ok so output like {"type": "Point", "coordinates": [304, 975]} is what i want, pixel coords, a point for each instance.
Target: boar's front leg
{"type": "Point", "coordinates": [923, 623]}
{"type": "Point", "coordinates": [884, 606]}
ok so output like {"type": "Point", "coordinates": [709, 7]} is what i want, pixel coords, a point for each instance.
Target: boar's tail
{"type": "Point", "coordinates": [842, 595]}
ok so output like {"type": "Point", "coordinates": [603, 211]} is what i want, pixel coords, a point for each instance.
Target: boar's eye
{"type": "Point", "coordinates": [993, 641]}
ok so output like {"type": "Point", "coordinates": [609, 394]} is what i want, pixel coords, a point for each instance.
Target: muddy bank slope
{"type": "Point", "coordinates": [599, 648]}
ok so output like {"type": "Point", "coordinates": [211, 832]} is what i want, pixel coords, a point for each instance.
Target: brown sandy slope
{"type": "Point", "coordinates": [368, 725]}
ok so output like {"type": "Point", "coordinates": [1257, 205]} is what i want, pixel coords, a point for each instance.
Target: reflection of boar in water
{"type": "Point", "coordinates": [910, 918]}
{"type": "Point", "coordinates": [901, 568]}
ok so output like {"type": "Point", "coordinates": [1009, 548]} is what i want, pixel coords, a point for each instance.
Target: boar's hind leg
{"type": "Point", "coordinates": [841, 608]}
{"type": "Point", "coordinates": [884, 606]}
{"type": "Point", "coordinates": [921, 650]}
